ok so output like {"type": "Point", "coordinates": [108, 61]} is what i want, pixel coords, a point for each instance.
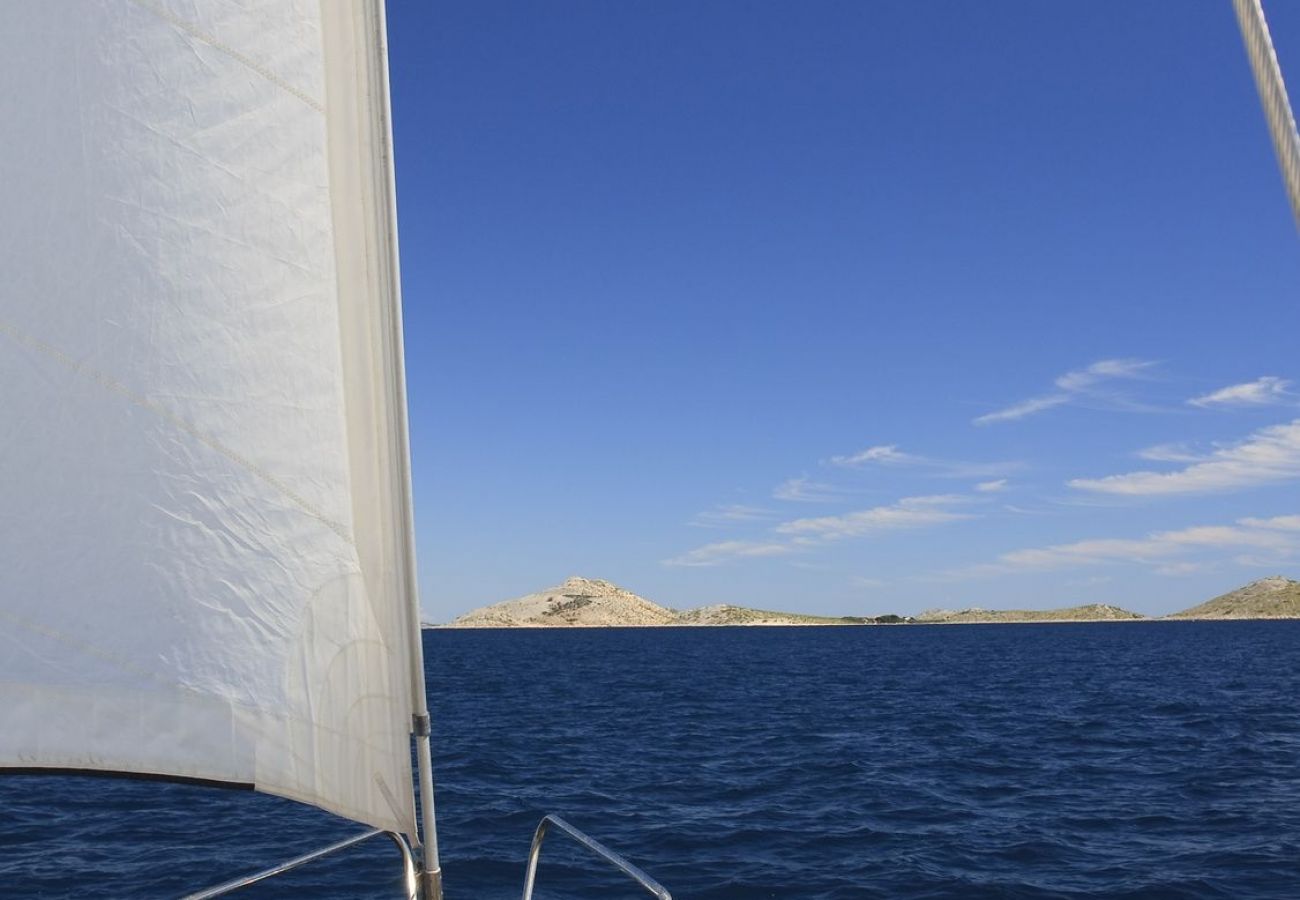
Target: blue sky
{"type": "Point", "coordinates": [846, 307]}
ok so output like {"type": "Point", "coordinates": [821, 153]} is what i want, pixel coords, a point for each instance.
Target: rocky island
{"type": "Point", "coordinates": [593, 603]}
{"type": "Point", "coordinates": [578, 601]}
{"type": "Point", "coordinates": [726, 614]}
{"type": "Point", "coordinates": [1092, 612]}
{"type": "Point", "coordinates": [1269, 598]}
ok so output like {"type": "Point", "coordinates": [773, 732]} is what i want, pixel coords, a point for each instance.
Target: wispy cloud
{"type": "Point", "coordinates": [884, 454]}
{"type": "Point", "coordinates": [727, 551]}
{"type": "Point", "coordinates": [1154, 548]}
{"type": "Point", "coordinates": [1179, 569]}
{"type": "Point", "coordinates": [801, 534]}
{"type": "Point", "coordinates": [1260, 392]}
{"type": "Point", "coordinates": [1281, 523]}
{"type": "Point", "coordinates": [910, 512]}
{"type": "Point", "coordinates": [889, 455]}
{"type": "Point", "coordinates": [1170, 453]}
{"type": "Point", "coordinates": [1026, 511]}
{"type": "Point", "coordinates": [1161, 550]}
{"type": "Point", "coordinates": [992, 487]}
{"type": "Point", "coordinates": [805, 490]}
{"type": "Point", "coordinates": [1022, 409]}
{"type": "Point", "coordinates": [1080, 383]}
{"type": "Point", "coordinates": [1103, 370]}
{"type": "Point", "coordinates": [732, 514]}
{"type": "Point", "coordinates": [1268, 456]}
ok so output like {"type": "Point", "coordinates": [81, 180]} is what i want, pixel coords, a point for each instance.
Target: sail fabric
{"type": "Point", "coordinates": [201, 479]}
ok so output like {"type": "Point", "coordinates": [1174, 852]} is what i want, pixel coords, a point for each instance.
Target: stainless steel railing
{"type": "Point", "coordinates": [408, 866]}
{"type": "Point", "coordinates": [595, 847]}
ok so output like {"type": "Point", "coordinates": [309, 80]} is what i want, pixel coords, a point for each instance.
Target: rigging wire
{"type": "Point", "coordinates": [1272, 94]}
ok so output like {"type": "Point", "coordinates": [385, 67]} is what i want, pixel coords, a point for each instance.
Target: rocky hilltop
{"type": "Point", "coordinates": [1268, 598]}
{"type": "Point", "coordinates": [578, 601]}
{"type": "Point", "coordinates": [1092, 612]}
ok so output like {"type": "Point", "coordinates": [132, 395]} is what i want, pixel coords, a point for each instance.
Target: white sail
{"type": "Point", "coordinates": [201, 463]}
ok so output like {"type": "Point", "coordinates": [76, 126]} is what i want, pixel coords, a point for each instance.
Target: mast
{"type": "Point", "coordinates": [1272, 94]}
{"type": "Point", "coordinates": [430, 866]}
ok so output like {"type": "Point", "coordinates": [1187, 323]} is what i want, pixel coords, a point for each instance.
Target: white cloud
{"type": "Point", "coordinates": [1255, 561]}
{"type": "Point", "coordinates": [1025, 511]}
{"type": "Point", "coordinates": [910, 512]}
{"type": "Point", "coordinates": [1169, 453]}
{"type": "Point", "coordinates": [992, 487]}
{"type": "Point", "coordinates": [1161, 550]}
{"type": "Point", "coordinates": [1083, 379]}
{"type": "Point", "coordinates": [1268, 456]}
{"type": "Point", "coordinates": [803, 490]}
{"type": "Point", "coordinates": [1261, 392]}
{"type": "Point", "coordinates": [890, 455]}
{"type": "Point", "coordinates": [885, 453]}
{"type": "Point", "coordinates": [731, 514]}
{"type": "Point", "coordinates": [1022, 409]}
{"type": "Point", "coordinates": [1071, 385]}
{"type": "Point", "coordinates": [727, 551]}
{"type": "Point", "coordinates": [1281, 523]}
{"type": "Point", "coordinates": [1178, 569]}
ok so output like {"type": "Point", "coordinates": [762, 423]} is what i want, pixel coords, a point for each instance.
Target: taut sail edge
{"type": "Point", "coordinates": [362, 161]}
{"type": "Point", "coordinates": [430, 864]}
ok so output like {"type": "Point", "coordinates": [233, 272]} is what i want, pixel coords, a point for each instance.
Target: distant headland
{"type": "Point", "coordinates": [593, 603]}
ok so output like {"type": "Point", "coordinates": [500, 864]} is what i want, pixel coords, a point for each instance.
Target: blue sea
{"type": "Point", "coordinates": [987, 761]}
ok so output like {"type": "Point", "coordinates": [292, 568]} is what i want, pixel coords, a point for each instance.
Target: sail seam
{"type": "Point", "coordinates": [149, 674]}
{"type": "Point", "coordinates": [88, 648]}
{"type": "Point", "coordinates": [121, 389]}
{"type": "Point", "coordinates": [252, 710]}
{"type": "Point", "coordinates": [234, 54]}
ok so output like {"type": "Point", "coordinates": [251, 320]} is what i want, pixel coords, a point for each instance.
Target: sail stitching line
{"type": "Point", "coordinates": [118, 387]}
{"type": "Point", "coordinates": [77, 644]}
{"type": "Point", "coordinates": [278, 715]}
{"type": "Point", "coordinates": [234, 54]}
{"type": "Point", "coordinates": [150, 674]}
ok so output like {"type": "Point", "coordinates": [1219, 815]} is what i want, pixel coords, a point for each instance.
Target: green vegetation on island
{"type": "Point", "coordinates": [1092, 612]}
{"type": "Point", "coordinates": [726, 614]}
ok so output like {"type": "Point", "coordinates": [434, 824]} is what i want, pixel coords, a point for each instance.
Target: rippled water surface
{"type": "Point", "coordinates": [1107, 760]}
